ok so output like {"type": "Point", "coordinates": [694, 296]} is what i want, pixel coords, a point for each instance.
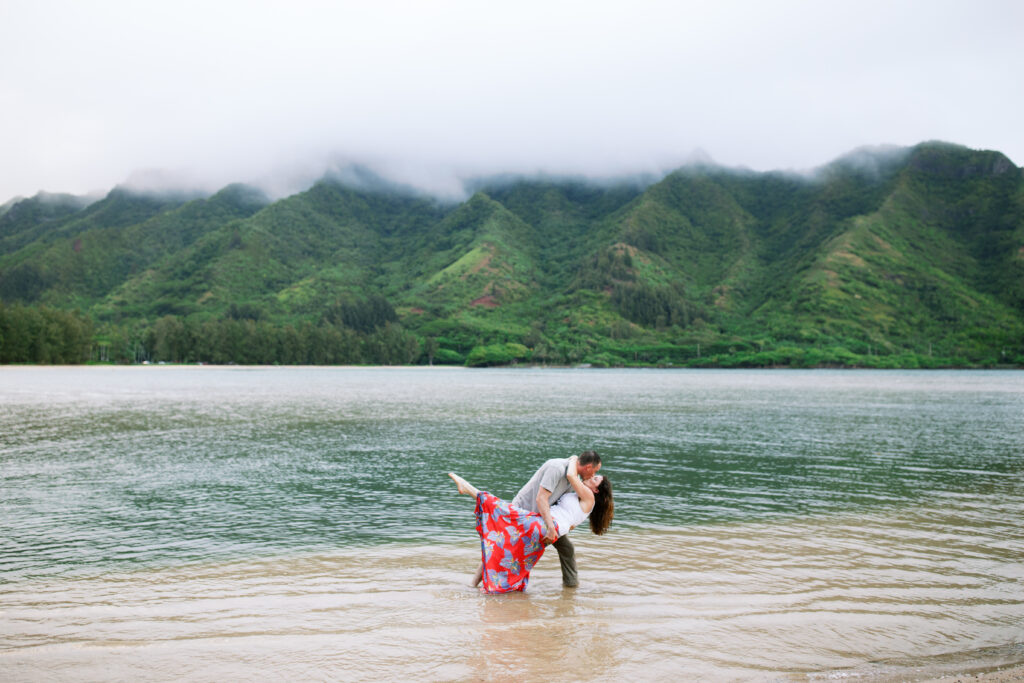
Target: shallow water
{"type": "Point", "coordinates": [212, 523]}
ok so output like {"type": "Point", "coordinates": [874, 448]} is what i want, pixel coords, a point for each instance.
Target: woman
{"type": "Point", "coordinates": [512, 539]}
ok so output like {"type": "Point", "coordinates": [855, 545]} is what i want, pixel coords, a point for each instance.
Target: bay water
{"type": "Point", "coordinates": [211, 523]}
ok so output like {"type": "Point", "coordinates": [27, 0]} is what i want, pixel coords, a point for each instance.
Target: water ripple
{"type": "Point", "coordinates": [180, 521]}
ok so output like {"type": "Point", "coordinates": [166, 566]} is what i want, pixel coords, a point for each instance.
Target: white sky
{"type": "Point", "coordinates": [93, 93]}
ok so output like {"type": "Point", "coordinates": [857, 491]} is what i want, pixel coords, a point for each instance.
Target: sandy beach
{"type": "Point", "coordinates": [1014, 673]}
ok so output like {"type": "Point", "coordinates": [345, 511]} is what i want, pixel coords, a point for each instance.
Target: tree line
{"type": "Point", "coordinates": [39, 334]}
{"type": "Point", "coordinates": [259, 342]}
{"type": "Point", "coordinates": [43, 335]}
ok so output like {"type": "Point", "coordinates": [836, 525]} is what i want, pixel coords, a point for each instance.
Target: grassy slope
{"type": "Point", "coordinates": [289, 260]}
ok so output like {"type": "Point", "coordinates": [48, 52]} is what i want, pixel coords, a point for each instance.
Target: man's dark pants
{"type": "Point", "coordinates": [567, 558]}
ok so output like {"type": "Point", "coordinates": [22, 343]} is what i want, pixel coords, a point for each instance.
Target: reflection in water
{"type": "Point", "coordinates": [529, 638]}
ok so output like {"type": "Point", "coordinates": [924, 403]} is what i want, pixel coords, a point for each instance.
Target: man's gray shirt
{"type": "Point", "coordinates": [551, 476]}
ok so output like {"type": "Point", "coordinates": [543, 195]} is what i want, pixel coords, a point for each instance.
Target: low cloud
{"type": "Point", "coordinates": [429, 95]}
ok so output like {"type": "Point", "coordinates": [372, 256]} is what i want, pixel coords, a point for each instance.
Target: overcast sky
{"type": "Point", "coordinates": [93, 94]}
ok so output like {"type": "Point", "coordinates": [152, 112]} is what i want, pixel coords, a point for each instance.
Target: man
{"type": "Point", "coordinates": [543, 490]}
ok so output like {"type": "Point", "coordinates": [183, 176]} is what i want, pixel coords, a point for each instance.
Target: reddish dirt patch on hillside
{"type": "Point", "coordinates": [486, 300]}
{"type": "Point", "coordinates": [485, 262]}
{"type": "Point", "coordinates": [417, 311]}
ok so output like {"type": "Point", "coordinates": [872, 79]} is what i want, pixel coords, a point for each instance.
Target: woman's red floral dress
{"type": "Point", "coordinates": [510, 542]}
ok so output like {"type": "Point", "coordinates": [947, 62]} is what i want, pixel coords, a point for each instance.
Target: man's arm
{"type": "Point", "coordinates": [544, 508]}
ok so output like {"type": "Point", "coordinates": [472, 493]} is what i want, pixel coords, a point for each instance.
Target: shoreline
{"type": "Point", "coordinates": [525, 366]}
{"type": "Point", "coordinates": [1013, 672]}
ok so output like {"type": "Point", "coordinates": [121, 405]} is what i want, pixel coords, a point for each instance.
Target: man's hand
{"type": "Point", "coordinates": [573, 469]}
{"type": "Point", "coordinates": [551, 536]}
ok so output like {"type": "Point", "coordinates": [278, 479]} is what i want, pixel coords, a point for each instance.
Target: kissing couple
{"type": "Point", "coordinates": [513, 536]}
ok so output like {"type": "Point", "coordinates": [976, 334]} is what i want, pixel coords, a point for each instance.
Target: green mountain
{"type": "Point", "coordinates": [885, 258]}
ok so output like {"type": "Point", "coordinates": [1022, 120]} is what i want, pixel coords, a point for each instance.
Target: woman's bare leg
{"type": "Point", "coordinates": [464, 486]}
{"type": "Point", "coordinates": [479, 576]}
{"type": "Point", "coordinates": [469, 489]}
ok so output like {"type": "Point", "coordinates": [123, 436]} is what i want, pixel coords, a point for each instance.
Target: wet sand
{"type": "Point", "coordinates": [1015, 673]}
{"type": "Point", "coordinates": [848, 599]}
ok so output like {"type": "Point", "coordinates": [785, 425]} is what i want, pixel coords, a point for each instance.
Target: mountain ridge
{"type": "Point", "coordinates": [884, 257]}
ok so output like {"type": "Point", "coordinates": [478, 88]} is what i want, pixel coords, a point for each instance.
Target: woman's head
{"type": "Point", "coordinates": [604, 506]}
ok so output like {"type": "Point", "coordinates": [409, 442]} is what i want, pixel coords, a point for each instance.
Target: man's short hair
{"type": "Point", "coordinates": [589, 457]}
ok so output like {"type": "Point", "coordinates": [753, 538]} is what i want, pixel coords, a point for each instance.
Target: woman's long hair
{"type": "Point", "coordinates": [604, 508]}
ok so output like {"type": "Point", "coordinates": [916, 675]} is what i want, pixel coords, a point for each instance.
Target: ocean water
{"type": "Point", "coordinates": [207, 523]}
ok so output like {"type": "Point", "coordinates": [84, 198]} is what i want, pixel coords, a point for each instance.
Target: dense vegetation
{"type": "Point", "coordinates": [898, 258]}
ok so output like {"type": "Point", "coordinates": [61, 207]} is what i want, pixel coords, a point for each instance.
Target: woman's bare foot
{"type": "Point", "coordinates": [464, 486]}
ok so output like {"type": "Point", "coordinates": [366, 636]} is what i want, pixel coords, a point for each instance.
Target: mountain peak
{"type": "Point", "coordinates": [947, 160]}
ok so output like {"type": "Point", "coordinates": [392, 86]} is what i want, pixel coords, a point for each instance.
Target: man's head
{"type": "Point", "coordinates": [588, 464]}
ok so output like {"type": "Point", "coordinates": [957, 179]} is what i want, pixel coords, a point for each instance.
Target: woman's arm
{"type": "Point", "coordinates": [585, 495]}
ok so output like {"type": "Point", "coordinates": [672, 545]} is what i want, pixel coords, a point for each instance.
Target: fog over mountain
{"type": "Point", "coordinates": [448, 184]}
